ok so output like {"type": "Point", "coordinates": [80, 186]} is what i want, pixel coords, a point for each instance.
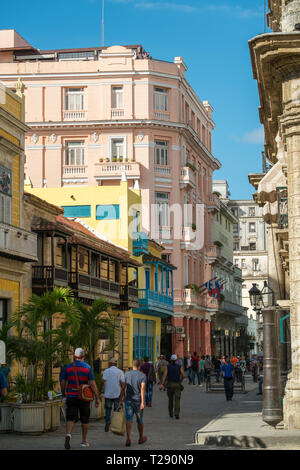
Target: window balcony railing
{"type": "Point", "coordinates": [161, 115]}
{"type": "Point", "coordinates": [187, 176]}
{"type": "Point", "coordinates": [18, 243]}
{"type": "Point", "coordinates": [162, 170]}
{"type": "Point", "coordinates": [214, 252]}
{"type": "Point", "coordinates": [140, 243]}
{"type": "Point", "coordinates": [282, 198]}
{"type": "Point", "coordinates": [87, 283]}
{"type": "Point", "coordinates": [74, 170]}
{"type": "Point", "coordinates": [188, 234]}
{"type": "Point", "coordinates": [189, 297]}
{"type": "Point", "coordinates": [151, 300]}
{"type": "Point", "coordinates": [116, 169]}
{"type": "Point", "coordinates": [79, 115]}
{"type": "Point", "coordinates": [117, 113]}
{"type": "Point", "coordinates": [48, 276]}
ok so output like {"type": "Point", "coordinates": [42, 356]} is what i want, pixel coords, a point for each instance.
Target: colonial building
{"type": "Point", "coordinates": [276, 67]}
{"type": "Point", "coordinates": [18, 245]}
{"type": "Point", "coordinates": [96, 113]}
{"type": "Point", "coordinates": [251, 256]}
{"type": "Point", "coordinates": [230, 320]}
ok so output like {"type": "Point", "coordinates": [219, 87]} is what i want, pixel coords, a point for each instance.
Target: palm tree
{"type": "Point", "coordinates": [96, 323]}
{"type": "Point", "coordinates": [40, 343]}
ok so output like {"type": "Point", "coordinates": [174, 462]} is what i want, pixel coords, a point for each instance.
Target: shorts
{"type": "Point", "coordinates": [78, 409]}
{"type": "Point", "coordinates": [133, 408]}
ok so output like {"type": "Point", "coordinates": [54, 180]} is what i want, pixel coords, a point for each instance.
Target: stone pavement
{"type": "Point", "coordinates": [201, 413]}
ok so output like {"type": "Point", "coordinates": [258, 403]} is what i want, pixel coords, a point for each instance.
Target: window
{"type": "Point", "coordinates": [235, 211]}
{"type": "Point", "coordinates": [117, 149]}
{"type": "Point", "coordinates": [252, 211]}
{"type": "Point", "coordinates": [77, 211]}
{"type": "Point", "coordinates": [163, 212]}
{"type": "Point", "coordinates": [108, 212]}
{"type": "Point", "coordinates": [75, 153]}
{"type": "Point", "coordinates": [74, 99]}
{"type": "Point", "coordinates": [183, 155]}
{"type": "Point", "coordinates": [236, 263]}
{"type": "Point", "coordinates": [255, 264]}
{"type": "Point", "coordinates": [117, 97]}
{"type": "Point", "coordinates": [161, 152]}
{"type": "Point", "coordinates": [243, 263]}
{"type": "Point", "coordinates": [5, 195]}
{"type": "Point", "coordinates": [160, 99]}
{"type": "Point", "coordinates": [235, 228]}
{"type": "Point", "coordinates": [252, 227]}
{"type": "Point", "coordinates": [236, 246]}
{"type": "Point", "coordinates": [252, 246]}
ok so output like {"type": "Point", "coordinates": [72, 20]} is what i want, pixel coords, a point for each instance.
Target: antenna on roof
{"type": "Point", "coordinates": [102, 23]}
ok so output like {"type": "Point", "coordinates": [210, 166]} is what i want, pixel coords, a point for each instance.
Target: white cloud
{"type": "Point", "coordinates": [257, 136]}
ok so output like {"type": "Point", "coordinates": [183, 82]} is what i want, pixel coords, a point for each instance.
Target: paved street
{"type": "Point", "coordinates": [198, 408]}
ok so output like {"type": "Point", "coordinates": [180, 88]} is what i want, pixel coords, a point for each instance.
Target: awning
{"type": "Point", "coordinates": [273, 179]}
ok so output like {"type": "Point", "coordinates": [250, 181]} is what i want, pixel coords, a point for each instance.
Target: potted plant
{"type": "Point", "coordinates": [191, 166]}
{"type": "Point", "coordinates": [114, 159]}
{"type": "Point", "coordinates": [107, 160]}
{"type": "Point", "coordinates": [194, 227]}
{"type": "Point", "coordinates": [120, 159]}
{"type": "Point", "coordinates": [126, 159]}
{"type": "Point", "coordinates": [101, 160]}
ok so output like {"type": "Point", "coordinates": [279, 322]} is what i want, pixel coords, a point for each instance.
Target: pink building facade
{"type": "Point", "coordinates": [99, 113]}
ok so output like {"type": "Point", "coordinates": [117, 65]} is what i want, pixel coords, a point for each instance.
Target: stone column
{"type": "Point", "coordinates": [290, 124]}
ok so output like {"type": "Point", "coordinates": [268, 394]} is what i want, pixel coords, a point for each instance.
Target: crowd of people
{"type": "Point", "coordinates": [133, 390]}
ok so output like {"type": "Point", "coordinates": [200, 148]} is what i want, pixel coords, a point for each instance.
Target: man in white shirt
{"type": "Point", "coordinates": [114, 381]}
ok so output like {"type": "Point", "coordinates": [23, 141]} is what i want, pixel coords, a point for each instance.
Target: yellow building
{"type": "Point", "coordinates": [114, 213]}
{"type": "Point", "coordinates": [18, 246]}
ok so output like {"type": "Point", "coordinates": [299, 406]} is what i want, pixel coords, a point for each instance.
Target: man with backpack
{"type": "Point", "coordinates": [148, 369]}
{"type": "Point", "coordinates": [75, 375]}
{"type": "Point", "coordinates": [174, 373]}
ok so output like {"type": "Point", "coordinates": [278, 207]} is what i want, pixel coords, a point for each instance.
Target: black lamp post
{"type": "Point", "coordinates": [264, 302]}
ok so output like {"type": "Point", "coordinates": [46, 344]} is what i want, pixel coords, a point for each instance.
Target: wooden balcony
{"type": "Point", "coordinates": [92, 287]}
{"type": "Point", "coordinates": [47, 277]}
{"type": "Point", "coordinates": [129, 297]}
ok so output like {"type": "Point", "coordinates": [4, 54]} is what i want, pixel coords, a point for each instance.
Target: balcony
{"type": "Point", "coordinates": [213, 202]}
{"type": "Point", "coordinates": [282, 199]}
{"type": "Point", "coordinates": [44, 277]}
{"type": "Point", "coordinates": [114, 170]}
{"type": "Point", "coordinates": [74, 171]}
{"type": "Point", "coordinates": [187, 177]}
{"type": "Point", "coordinates": [117, 113]}
{"type": "Point", "coordinates": [214, 253]}
{"type": "Point", "coordinates": [140, 244]}
{"type": "Point", "coordinates": [242, 320]}
{"type": "Point", "coordinates": [154, 303]}
{"type": "Point", "coordinates": [129, 297]}
{"type": "Point", "coordinates": [189, 297]}
{"type": "Point", "coordinates": [89, 286]}
{"type": "Point", "coordinates": [17, 243]}
{"type": "Point", "coordinates": [229, 307]}
{"type": "Point", "coordinates": [188, 234]}
{"type": "Point", "coordinates": [162, 116]}
{"type": "Point", "coordinates": [74, 115]}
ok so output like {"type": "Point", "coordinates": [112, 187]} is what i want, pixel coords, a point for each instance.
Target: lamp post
{"type": "Point", "coordinates": [263, 302]}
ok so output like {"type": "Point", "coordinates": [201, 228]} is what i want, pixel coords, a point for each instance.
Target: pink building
{"type": "Point", "coordinates": [96, 113]}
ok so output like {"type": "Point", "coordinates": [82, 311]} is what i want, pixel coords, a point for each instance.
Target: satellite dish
{"type": "Point", "coordinates": [2, 353]}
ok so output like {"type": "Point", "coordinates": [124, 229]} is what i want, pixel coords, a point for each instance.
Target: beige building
{"type": "Point", "coordinates": [18, 245]}
{"type": "Point", "coordinates": [276, 67]}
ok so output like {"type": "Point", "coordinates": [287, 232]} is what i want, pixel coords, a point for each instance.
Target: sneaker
{"type": "Point", "coordinates": [67, 442]}
{"type": "Point", "coordinates": [177, 417]}
{"type": "Point", "coordinates": [171, 415]}
{"type": "Point", "coordinates": [128, 443]}
{"type": "Point", "coordinates": [107, 427]}
{"type": "Point", "coordinates": [142, 440]}
{"type": "Point", "coordinates": [84, 445]}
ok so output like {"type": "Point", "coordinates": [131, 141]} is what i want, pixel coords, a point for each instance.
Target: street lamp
{"type": "Point", "coordinates": [256, 298]}
{"type": "Point", "coordinates": [264, 302]}
{"type": "Point", "coordinates": [267, 296]}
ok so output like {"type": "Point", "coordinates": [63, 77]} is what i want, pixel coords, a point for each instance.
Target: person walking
{"type": "Point", "coordinates": [217, 366]}
{"type": "Point", "coordinates": [114, 380]}
{"type": "Point", "coordinates": [134, 391]}
{"type": "Point", "coordinates": [227, 373]}
{"type": "Point", "coordinates": [75, 406]}
{"type": "Point", "coordinates": [174, 374]}
{"type": "Point", "coordinates": [161, 367]}
{"type": "Point", "coordinates": [148, 369]}
{"type": "Point", "coordinates": [189, 369]}
{"type": "Point", "coordinates": [207, 367]}
{"type": "Point", "coordinates": [195, 367]}
{"type": "Point", "coordinates": [201, 369]}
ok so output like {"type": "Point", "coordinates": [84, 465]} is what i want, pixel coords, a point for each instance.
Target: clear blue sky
{"type": "Point", "coordinates": [211, 35]}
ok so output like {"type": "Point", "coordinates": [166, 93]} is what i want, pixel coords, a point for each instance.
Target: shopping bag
{"type": "Point", "coordinates": [118, 423]}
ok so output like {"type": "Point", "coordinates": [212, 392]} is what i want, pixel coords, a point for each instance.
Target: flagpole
{"type": "Point", "coordinates": [102, 23]}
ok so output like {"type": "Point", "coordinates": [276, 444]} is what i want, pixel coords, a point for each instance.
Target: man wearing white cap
{"type": "Point", "coordinates": [76, 406]}
{"type": "Point", "coordinates": [174, 374]}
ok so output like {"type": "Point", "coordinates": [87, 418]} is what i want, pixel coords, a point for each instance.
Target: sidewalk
{"type": "Point", "coordinates": [240, 425]}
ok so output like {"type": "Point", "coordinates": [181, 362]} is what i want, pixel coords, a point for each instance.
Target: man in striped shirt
{"type": "Point", "coordinates": [75, 406]}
